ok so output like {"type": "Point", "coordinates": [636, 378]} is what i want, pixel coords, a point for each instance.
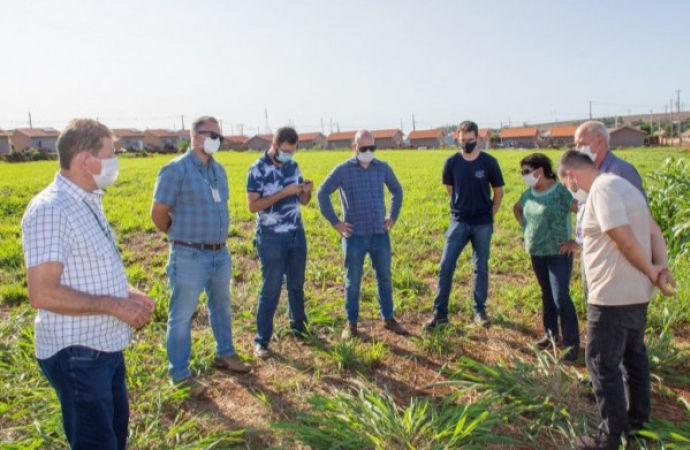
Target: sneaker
{"type": "Point", "coordinates": [600, 441]}
{"type": "Point", "coordinates": [393, 325]}
{"type": "Point", "coordinates": [196, 388]}
{"type": "Point", "coordinates": [233, 363]}
{"type": "Point", "coordinates": [435, 321]}
{"type": "Point", "coordinates": [261, 351]}
{"type": "Point", "coordinates": [481, 319]}
{"type": "Point", "coordinates": [545, 342]}
{"type": "Point", "coordinates": [350, 331]}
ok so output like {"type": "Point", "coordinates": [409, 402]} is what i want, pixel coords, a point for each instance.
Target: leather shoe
{"type": "Point", "coordinates": [393, 325]}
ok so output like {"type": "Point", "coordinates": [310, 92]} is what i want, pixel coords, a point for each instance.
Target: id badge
{"type": "Point", "coordinates": [216, 195]}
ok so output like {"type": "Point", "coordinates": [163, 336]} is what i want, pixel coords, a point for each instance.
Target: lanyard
{"type": "Point", "coordinates": [210, 184]}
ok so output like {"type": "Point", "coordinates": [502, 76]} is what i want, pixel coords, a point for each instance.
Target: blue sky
{"type": "Point", "coordinates": [356, 63]}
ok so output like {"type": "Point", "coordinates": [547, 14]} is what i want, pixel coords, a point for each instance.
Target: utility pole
{"type": "Point", "coordinates": [590, 110]}
{"type": "Point", "coordinates": [182, 116]}
{"type": "Point", "coordinates": [266, 116]}
{"type": "Point", "coordinates": [401, 127]}
{"type": "Point", "coordinates": [30, 125]}
{"type": "Point", "coordinates": [414, 125]}
{"type": "Point", "coordinates": [331, 125]}
{"type": "Point", "coordinates": [679, 121]}
{"type": "Point", "coordinates": [322, 126]}
{"type": "Point", "coordinates": [240, 128]}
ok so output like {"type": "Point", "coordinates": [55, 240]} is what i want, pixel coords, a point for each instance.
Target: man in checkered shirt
{"type": "Point", "coordinates": [77, 282]}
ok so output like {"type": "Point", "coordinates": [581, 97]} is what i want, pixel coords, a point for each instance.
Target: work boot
{"type": "Point", "coordinates": [481, 319]}
{"type": "Point", "coordinates": [393, 325]}
{"type": "Point", "coordinates": [196, 388]}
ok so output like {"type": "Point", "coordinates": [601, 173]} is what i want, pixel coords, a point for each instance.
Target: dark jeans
{"type": "Point", "coordinates": [93, 396]}
{"type": "Point", "coordinates": [457, 237]}
{"type": "Point", "coordinates": [553, 274]}
{"type": "Point", "coordinates": [281, 255]}
{"type": "Point", "coordinates": [615, 335]}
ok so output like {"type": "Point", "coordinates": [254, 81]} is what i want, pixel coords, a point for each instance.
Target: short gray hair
{"type": "Point", "coordinates": [572, 159]}
{"type": "Point", "coordinates": [597, 128]}
{"type": "Point", "coordinates": [201, 121]}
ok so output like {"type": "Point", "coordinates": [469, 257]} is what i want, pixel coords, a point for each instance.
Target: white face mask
{"type": "Point", "coordinates": [211, 145]}
{"type": "Point", "coordinates": [530, 179]}
{"type": "Point", "coordinates": [579, 194]}
{"type": "Point", "coordinates": [365, 157]}
{"type": "Point", "coordinates": [110, 169]}
{"type": "Point", "coordinates": [586, 150]}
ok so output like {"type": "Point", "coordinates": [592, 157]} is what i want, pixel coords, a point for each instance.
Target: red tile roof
{"type": "Point", "coordinates": [38, 132]}
{"type": "Point", "coordinates": [237, 139]}
{"type": "Point", "coordinates": [522, 132]}
{"type": "Point", "coordinates": [485, 132]}
{"type": "Point", "coordinates": [309, 136]}
{"type": "Point", "coordinates": [163, 133]}
{"type": "Point", "coordinates": [128, 132]}
{"type": "Point", "coordinates": [563, 131]}
{"type": "Point", "coordinates": [342, 136]}
{"type": "Point", "coordinates": [426, 134]}
{"type": "Point", "coordinates": [385, 134]}
{"type": "Point", "coordinates": [5, 133]}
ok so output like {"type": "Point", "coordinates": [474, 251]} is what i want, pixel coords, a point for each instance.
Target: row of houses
{"type": "Point", "coordinates": [161, 140]}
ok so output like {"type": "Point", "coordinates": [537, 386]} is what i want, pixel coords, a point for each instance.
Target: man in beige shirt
{"type": "Point", "coordinates": [625, 258]}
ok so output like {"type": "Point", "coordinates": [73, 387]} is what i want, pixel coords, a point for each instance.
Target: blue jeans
{"type": "Point", "coordinates": [281, 255]}
{"type": "Point", "coordinates": [379, 248]}
{"type": "Point", "coordinates": [553, 274]}
{"type": "Point", "coordinates": [615, 335]}
{"type": "Point", "coordinates": [190, 271]}
{"type": "Point", "coordinates": [457, 237]}
{"type": "Point", "coordinates": [90, 385]}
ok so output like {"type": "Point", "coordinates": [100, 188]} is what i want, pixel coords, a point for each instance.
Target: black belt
{"type": "Point", "coordinates": [212, 247]}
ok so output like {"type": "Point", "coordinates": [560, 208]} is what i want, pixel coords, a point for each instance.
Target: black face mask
{"type": "Point", "coordinates": [468, 147]}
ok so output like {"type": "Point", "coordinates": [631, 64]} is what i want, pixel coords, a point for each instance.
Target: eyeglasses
{"type": "Point", "coordinates": [211, 134]}
{"type": "Point", "coordinates": [366, 148]}
{"type": "Point", "coordinates": [527, 171]}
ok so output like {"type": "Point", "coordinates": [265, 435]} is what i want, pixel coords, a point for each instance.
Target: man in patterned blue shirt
{"type": "Point", "coordinates": [190, 205]}
{"type": "Point", "coordinates": [275, 190]}
{"type": "Point", "coordinates": [365, 226]}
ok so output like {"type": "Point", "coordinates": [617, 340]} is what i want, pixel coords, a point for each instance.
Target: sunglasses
{"type": "Point", "coordinates": [366, 148]}
{"type": "Point", "coordinates": [211, 134]}
{"type": "Point", "coordinates": [527, 171]}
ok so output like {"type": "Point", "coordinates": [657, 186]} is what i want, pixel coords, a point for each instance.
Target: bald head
{"type": "Point", "coordinates": [364, 138]}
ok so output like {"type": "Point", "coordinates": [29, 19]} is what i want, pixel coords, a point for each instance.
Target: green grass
{"type": "Point", "coordinates": [400, 390]}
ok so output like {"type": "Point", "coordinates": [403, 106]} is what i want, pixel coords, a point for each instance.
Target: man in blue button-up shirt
{"type": "Point", "coordinates": [190, 205]}
{"type": "Point", "coordinates": [365, 226]}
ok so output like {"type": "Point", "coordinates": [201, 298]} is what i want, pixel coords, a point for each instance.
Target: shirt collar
{"type": "Point", "coordinates": [75, 191]}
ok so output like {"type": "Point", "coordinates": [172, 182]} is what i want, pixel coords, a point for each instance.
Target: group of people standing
{"type": "Point", "coordinates": [86, 309]}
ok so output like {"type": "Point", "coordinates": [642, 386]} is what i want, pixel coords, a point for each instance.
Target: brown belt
{"type": "Point", "coordinates": [212, 247]}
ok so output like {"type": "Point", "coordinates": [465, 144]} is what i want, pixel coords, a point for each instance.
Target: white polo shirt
{"type": "Point", "coordinates": [66, 224]}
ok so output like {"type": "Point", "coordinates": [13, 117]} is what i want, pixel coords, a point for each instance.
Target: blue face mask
{"type": "Point", "coordinates": [283, 157]}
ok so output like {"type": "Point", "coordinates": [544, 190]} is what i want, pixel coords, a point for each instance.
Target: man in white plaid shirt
{"type": "Point", "coordinates": [77, 282]}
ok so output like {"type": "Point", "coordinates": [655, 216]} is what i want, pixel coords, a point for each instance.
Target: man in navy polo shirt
{"type": "Point", "coordinates": [275, 191]}
{"type": "Point", "coordinates": [190, 205]}
{"type": "Point", "coordinates": [470, 177]}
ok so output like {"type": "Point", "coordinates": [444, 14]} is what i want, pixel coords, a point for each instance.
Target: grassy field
{"type": "Point", "coordinates": [460, 386]}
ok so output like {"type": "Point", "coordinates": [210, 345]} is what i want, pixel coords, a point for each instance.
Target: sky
{"type": "Point", "coordinates": [324, 65]}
